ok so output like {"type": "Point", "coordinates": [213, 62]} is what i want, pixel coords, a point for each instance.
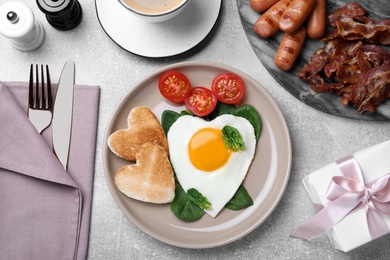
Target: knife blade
{"type": "Point", "coordinates": [62, 113]}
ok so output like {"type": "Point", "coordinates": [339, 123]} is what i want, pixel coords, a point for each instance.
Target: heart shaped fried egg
{"type": "Point", "coordinates": [201, 160]}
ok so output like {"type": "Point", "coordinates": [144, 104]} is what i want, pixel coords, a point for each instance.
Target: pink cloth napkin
{"type": "Point", "coordinates": [44, 210]}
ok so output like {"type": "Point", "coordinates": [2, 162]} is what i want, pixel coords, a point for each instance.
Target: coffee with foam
{"type": "Point", "coordinates": [153, 6]}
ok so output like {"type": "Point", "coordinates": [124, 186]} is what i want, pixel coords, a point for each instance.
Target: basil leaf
{"type": "Point", "coordinates": [183, 208]}
{"type": "Point", "coordinates": [232, 138]}
{"type": "Point", "coordinates": [197, 198]}
{"type": "Point", "coordinates": [251, 114]}
{"type": "Point", "coordinates": [168, 117]}
{"type": "Point", "coordinates": [240, 200]}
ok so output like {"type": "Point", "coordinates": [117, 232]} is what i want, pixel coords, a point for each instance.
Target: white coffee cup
{"type": "Point", "coordinates": [155, 10]}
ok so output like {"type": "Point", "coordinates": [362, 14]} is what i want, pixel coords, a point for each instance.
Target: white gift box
{"type": "Point", "coordinates": [352, 231]}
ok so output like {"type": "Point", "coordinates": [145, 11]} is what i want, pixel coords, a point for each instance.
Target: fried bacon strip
{"type": "Point", "coordinates": [351, 23]}
{"type": "Point", "coordinates": [350, 64]}
{"type": "Point", "coordinates": [347, 11]}
{"type": "Point", "coordinates": [371, 90]}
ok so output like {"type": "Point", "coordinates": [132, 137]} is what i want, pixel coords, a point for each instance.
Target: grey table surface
{"type": "Point", "coordinates": [317, 138]}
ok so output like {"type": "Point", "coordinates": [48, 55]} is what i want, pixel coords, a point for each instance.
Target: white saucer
{"type": "Point", "coordinates": [157, 40]}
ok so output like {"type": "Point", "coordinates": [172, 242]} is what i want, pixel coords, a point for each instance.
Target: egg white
{"type": "Point", "coordinates": [220, 185]}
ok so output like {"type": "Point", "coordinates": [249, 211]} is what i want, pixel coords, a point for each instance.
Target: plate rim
{"type": "Point", "coordinates": [286, 175]}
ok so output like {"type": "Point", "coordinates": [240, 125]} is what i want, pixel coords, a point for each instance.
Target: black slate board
{"type": "Point", "coordinates": [265, 49]}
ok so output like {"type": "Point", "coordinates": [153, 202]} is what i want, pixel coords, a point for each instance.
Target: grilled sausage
{"type": "Point", "coordinates": [296, 13]}
{"type": "Point", "coordinates": [316, 21]}
{"type": "Point", "coordinates": [268, 22]}
{"type": "Point", "coordinates": [262, 5]}
{"type": "Point", "coordinates": [289, 48]}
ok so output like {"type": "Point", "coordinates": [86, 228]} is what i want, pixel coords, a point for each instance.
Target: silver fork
{"type": "Point", "coordinates": [40, 99]}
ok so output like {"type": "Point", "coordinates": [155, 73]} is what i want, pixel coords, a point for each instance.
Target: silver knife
{"type": "Point", "coordinates": [62, 113]}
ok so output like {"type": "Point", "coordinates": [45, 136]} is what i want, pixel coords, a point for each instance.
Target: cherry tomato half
{"type": "Point", "coordinates": [174, 86]}
{"type": "Point", "coordinates": [201, 101]}
{"type": "Point", "coordinates": [228, 87]}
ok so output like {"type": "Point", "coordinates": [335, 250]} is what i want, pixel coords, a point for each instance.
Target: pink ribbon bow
{"type": "Point", "coordinates": [346, 194]}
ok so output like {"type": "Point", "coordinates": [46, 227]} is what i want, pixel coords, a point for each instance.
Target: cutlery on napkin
{"type": "Point", "coordinates": [62, 113]}
{"type": "Point", "coordinates": [40, 98]}
{"type": "Point", "coordinates": [45, 211]}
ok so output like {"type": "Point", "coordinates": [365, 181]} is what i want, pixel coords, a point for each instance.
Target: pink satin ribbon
{"type": "Point", "coordinates": [346, 194]}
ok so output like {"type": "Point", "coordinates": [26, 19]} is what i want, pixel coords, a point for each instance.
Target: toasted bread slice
{"type": "Point", "coordinates": [150, 179]}
{"type": "Point", "coordinates": [143, 127]}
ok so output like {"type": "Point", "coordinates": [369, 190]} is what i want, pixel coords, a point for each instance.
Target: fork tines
{"type": "Point", "coordinates": [40, 93]}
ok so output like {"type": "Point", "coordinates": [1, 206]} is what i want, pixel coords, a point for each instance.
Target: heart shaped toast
{"type": "Point", "coordinates": [150, 179]}
{"type": "Point", "coordinates": [143, 127]}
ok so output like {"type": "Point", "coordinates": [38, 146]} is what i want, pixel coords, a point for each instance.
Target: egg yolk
{"type": "Point", "coordinates": [207, 151]}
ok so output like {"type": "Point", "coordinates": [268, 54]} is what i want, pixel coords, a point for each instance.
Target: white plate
{"type": "Point", "coordinates": [266, 180]}
{"type": "Point", "coordinates": [156, 40]}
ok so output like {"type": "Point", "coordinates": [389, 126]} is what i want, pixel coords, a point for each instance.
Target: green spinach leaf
{"type": "Point", "coordinates": [240, 200]}
{"type": "Point", "coordinates": [250, 113]}
{"type": "Point", "coordinates": [186, 112]}
{"type": "Point", "coordinates": [222, 109]}
{"type": "Point", "coordinates": [183, 208]}
{"type": "Point", "coordinates": [168, 117]}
